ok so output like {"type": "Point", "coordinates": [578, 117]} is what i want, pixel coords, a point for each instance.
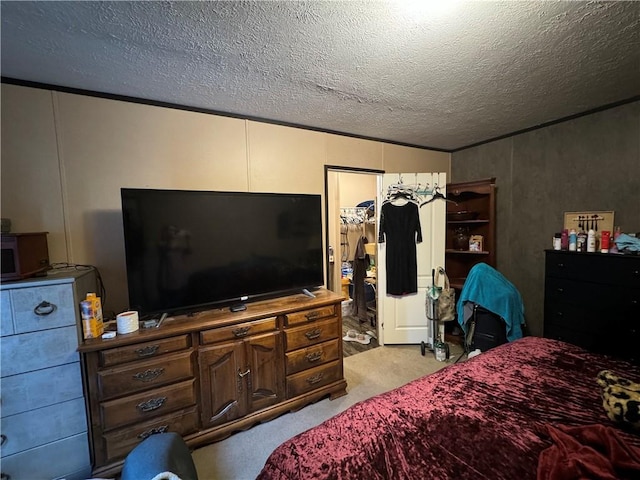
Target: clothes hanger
{"type": "Point", "coordinates": [437, 195]}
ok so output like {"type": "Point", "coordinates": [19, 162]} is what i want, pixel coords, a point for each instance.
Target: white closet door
{"type": "Point", "coordinates": [403, 319]}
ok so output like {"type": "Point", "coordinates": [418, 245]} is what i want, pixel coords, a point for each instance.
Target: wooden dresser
{"type": "Point", "coordinates": [44, 423]}
{"type": "Point", "coordinates": [593, 300]}
{"type": "Point", "coordinates": [210, 374]}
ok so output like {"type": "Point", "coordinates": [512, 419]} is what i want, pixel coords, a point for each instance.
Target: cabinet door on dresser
{"type": "Point", "coordinates": [222, 398]}
{"type": "Point", "coordinates": [44, 422]}
{"type": "Point", "coordinates": [242, 375]}
{"type": "Point", "coordinates": [593, 301]}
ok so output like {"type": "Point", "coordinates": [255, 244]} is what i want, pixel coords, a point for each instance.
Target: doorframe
{"type": "Point", "coordinates": [337, 168]}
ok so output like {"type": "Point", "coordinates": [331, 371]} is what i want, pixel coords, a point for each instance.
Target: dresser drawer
{"type": "Point", "coordinates": [307, 335]}
{"type": "Point", "coordinates": [610, 297]}
{"type": "Point", "coordinates": [144, 375]}
{"type": "Point", "coordinates": [578, 317]}
{"type": "Point", "coordinates": [41, 426]}
{"type": "Point", "coordinates": [118, 443]}
{"type": "Point", "coordinates": [313, 378]}
{"type": "Point", "coordinates": [312, 315]}
{"type": "Point", "coordinates": [116, 356]}
{"type": "Point", "coordinates": [41, 388]}
{"type": "Point", "coordinates": [613, 269]}
{"type": "Point", "coordinates": [241, 330]}
{"type": "Point", "coordinates": [134, 408]}
{"type": "Point", "coordinates": [587, 340]}
{"type": "Point", "coordinates": [41, 308]}
{"type": "Point", "coordinates": [37, 350]}
{"type": "Point", "coordinates": [59, 459]}
{"type": "Point", "coordinates": [304, 358]}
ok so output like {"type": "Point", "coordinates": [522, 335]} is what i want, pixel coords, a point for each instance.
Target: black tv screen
{"type": "Point", "coordinates": [189, 250]}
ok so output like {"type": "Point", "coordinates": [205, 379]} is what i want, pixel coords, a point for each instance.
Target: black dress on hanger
{"type": "Point", "coordinates": [400, 227]}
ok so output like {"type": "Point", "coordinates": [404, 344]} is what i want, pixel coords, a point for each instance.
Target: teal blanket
{"type": "Point", "coordinates": [487, 287]}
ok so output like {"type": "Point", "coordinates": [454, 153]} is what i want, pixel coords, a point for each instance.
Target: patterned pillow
{"type": "Point", "coordinates": [620, 398]}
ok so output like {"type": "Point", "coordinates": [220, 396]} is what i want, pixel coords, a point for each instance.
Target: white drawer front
{"type": "Point", "coordinates": [37, 350]}
{"type": "Point", "coordinates": [21, 393]}
{"type": "Point", "coordinates": [44, 425]}
{"type": "Point", "coordinates": [53, 460]}
{"type": "Point", "coordinates": [26, 300]}
{"type": "Point", "coordinates": [6, 314]}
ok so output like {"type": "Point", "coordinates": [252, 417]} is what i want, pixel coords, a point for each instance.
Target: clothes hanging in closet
{"type": "Point", "coordinates": [400, 227]}
{"type": "Point", "coordinates": [360, 264]}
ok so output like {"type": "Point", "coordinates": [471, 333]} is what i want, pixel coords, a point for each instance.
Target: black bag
{"type": "Point", "coordinates": [486, 330]}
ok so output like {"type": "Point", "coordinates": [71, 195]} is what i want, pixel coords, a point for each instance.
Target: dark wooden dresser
{"type": "Point", "coordinates": [212, 373]}
{"type": "Point", "coordinates": [593, 300]}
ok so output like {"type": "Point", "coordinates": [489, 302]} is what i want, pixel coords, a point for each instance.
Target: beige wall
{"type": "Point", "coordinates": [66, 156]}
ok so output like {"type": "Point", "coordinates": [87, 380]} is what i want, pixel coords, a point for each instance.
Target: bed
{"type": "Point", "coordinates": [517, 411]}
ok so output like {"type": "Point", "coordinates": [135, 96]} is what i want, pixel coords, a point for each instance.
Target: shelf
{"type": "Point", "coordinates": [468, 222]}
{"type": "Point", "coordinates": [466, 252]}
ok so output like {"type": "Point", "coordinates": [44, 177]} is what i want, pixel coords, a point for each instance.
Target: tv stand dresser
{"type": "Point", "coordinates": [210, 374]}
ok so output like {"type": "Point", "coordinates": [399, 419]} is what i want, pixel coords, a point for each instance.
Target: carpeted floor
{"type": "Point", "coordinates": [241, 456]}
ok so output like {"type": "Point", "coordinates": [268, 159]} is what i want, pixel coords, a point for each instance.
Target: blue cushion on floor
{"type": "Point", "coordinates": [159, 453]}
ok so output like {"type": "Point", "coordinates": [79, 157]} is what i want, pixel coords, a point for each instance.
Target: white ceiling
{"type": "Point", "coordinates": [375, 69]}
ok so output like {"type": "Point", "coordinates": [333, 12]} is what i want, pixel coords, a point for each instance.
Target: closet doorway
{"type": "Point", "coordinates": [351, 242]}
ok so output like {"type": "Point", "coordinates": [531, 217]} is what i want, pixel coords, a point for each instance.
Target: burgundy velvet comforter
{"type": "Point", "coordinates": [486, 418]}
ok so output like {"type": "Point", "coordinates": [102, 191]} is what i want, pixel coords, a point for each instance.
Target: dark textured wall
{"type": "Point", "coordinates": [589, 163]}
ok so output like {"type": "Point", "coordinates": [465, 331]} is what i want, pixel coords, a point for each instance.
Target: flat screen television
{"type": "Point", "coordinates": [192, 250]}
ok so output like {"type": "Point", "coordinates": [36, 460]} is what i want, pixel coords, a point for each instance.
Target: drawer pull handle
{"type": "Point", "coordinates": [313, 357]}
{"type": "Point", "coordinates": [559, 314]}
{"type": "Point", "coordinates": [44, 308]}
{"type": "Point", "coordinates": [311, 316]}
{"type": "Point", "coordinates": [315, 378]}
{"type": "Point", "coordinates": [560, 290]}
{"type": "Point", "coordinates": [152, 404]}
{"type": "Point", "coordinates": [313, 334]}
{"type": "Point", "coordinates": [241, 332]}
{"type": "Point", "coordinates": [245, 373]}
{"type": "Point", "coordinates": [148, 375]}
{"type": "Point", "coordinates": [153, 431]}
{"type": "Point", "coordinates": [3, 439]}
{"type": "Point", "coordinates": [147, 351]}
{"type": "Point", "coordinates": [561, 265]}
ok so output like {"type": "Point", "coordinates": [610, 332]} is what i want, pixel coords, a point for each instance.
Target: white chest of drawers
{"type": "Point", "coordinates": [44, 423]}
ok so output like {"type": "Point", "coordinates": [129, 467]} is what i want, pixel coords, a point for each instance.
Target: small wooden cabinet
{"type": "Point", "coordinates": [593, 300]}
{"type": "Point", "coordinates": [44, 422]}
{"type": "Point", "coordinates": [212, 373]}
{"type": "Point", "coordinates": [240, 370]}
{"type": "Point", "coordinates": [473, 213]}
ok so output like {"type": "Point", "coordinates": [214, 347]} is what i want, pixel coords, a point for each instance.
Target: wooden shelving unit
{"type": "Point", "coordinates": [477, 197]}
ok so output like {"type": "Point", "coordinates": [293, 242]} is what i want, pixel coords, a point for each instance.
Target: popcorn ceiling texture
{"type": "Point", "coordinates": [366, 68]}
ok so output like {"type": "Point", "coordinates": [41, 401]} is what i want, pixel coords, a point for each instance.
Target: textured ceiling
{"type": "Point", "coordinates": [376, 69]}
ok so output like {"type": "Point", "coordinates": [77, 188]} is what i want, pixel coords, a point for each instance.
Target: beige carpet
{"type": "Point", "coordinates": [241, 456]}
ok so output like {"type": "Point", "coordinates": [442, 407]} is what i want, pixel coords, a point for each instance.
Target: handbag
{"type": "Point", "coordinates": [447, 299]}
